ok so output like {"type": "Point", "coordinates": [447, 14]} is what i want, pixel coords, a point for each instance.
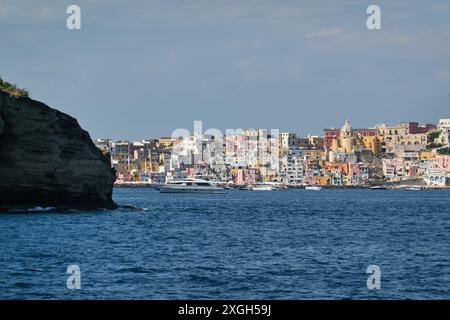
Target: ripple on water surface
{"type": "Point", "coordinates": [290, 244]}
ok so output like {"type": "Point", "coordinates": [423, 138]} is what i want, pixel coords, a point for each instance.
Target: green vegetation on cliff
{"type": "Point", "coordinates": [444, 151]}
{"type": "Point", "coordinates": [433, 135]}
{"type": "Point", "coordinates": [13, 89]}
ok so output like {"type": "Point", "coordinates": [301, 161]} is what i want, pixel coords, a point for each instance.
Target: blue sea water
{"type": "Point", "coordinates": [293, 244]}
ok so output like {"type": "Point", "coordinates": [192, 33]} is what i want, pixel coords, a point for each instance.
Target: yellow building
{"type": "Point", "coordinates": [321, 180]}
{"type": "Point", "coordinates": [166, 142]}
{"type": "Point", "coordinates": [346, 141]}
{"type": "Point", "coordinates": [426, 155]}
{"type": "Point", "coordinates": [352, 140]}
{"type": "Point", "coordinates": [371, 143]}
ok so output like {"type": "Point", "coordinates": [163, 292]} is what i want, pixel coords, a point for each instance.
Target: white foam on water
{"type": "Point", "coordinates": [40, 209]}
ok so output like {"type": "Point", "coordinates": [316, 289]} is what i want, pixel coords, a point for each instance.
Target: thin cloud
{"type": "Point", "coordinates": [324, 33]}
{"type": "Point", "coordinates": [256, 69]}
{"type": "Point", "coordinates": [443, 75]}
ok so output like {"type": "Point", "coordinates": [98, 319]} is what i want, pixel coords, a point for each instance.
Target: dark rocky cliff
{"type": "Point", "coordinates": [47, 160]}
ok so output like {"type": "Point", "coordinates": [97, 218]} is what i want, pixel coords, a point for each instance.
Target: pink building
{"type": "Point", "coordinates": [245, 176]}
{"type": "Point", "coordinates": [443, 162]}
{"type": "Point", "coordinates": [190, 171]}
{"type": "Point", "coordinates": [123, 177]}
{"type": "Point", "coordinates": [413, 170]}
{"type": "Point", "coordinates": [358, 173]}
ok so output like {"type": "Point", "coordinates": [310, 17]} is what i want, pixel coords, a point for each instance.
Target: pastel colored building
{"type": "Point", "coordinates": [426, 155]}
{"type": "Point", "coordinates": [358, 173]}
{"type": "Point", "coordinates": [245, 176]}
{"type": "Point", "coordinates": [444, 125]}
{"type": "Point", "coordinates": [333, 133]}
{"type": "Point", "coordinates": [443, 162]}
{"type": "Point", "coordinates": [436, 177]}
{"type": "Point", "coordinates": [321, 180]}
{"type": "Point", "coordinates": [403, 136]}
{"type": "Point", "coordinates": [393, 169]}
{"type": "Point", "coordinates": [335, 166]}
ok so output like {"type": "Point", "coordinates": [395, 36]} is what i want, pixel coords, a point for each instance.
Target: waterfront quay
{"type": "Point", "coordinates": [399, 156]}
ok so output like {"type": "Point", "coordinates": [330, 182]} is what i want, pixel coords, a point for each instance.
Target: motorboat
{"type": "Point", "coordinates": [314, 188]}
{"type": "Point", "coordinates": [190, 186]}
{"type": "Point", "coordinates": [413, 189]}
{"type": "Point", "coordinates": [378, 188]}
{"type": "Point", "coordinates": [261, 187]}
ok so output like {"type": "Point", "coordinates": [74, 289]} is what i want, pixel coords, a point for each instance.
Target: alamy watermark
{"type": "Point", "coordinates": [373, 22]}
{"type": "Point", "coordinates": [374, 279]}
{"type": "Point", "coordinates": [73, 22]}
{"type": "Point", "coordinates": [74, 277]}
{"type": "Point", "coordinates": [237, 147]}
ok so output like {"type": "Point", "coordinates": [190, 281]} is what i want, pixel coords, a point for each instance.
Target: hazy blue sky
{"type": "Point", "coordinates": [140, 69]}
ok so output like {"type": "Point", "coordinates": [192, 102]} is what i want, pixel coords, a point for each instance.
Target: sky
{"type": "Point", "coordinates": [141, 69]}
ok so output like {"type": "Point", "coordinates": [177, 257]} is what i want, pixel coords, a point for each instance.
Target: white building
{"type": "Point", "coordinates": [252, 148]}
{"type": "Point", "coordinates": [337, 178]}
{"type": "Point", "coordinates": [292, 169]}
{"type": "Point", "coordinates": [287, 140]}
{"type": "Point", "coordinates": [436, 177]}
{"type": "Point", "coordinates": [104, 144]}
{"type": "Point", "coordinates": [444, 125]}
{"type": "Point", "coordinates": [444, 128]}
{"type": "Point", "coordinates": [393, 169]}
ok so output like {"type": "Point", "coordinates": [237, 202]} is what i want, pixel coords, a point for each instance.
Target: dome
{"type": "Point", "coordinates": [347, 127]}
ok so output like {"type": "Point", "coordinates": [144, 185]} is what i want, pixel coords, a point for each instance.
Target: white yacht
{"type": "Point", "coordinates": [314, 188]}
{"type": "Point", "coordinates": [413, 189]}
{"type": "Point", "coordinates": [190, 185]}
{"type": "Point", "coordinates": [380, 187]}
{"type": "Point", "coordinates": [262, 187]}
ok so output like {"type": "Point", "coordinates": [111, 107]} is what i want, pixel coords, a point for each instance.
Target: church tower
{"type": "Point", "coordinates": [347, 142]}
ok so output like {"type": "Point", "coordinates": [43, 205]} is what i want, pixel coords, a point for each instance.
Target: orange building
{"type": "Point", "coordinates": [321, 180]}
{"type": "Point", "coordinates": [329, 166]}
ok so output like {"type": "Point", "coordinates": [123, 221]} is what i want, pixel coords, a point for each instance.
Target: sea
{"type": "Point", "coordinates": [291, 244]}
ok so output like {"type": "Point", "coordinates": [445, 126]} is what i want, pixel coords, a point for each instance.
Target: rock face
{"type": "Point", "coordinates": [47, 160]}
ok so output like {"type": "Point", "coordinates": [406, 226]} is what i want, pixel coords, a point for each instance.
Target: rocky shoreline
{"type": "Point", "coordinates": [48, 160]}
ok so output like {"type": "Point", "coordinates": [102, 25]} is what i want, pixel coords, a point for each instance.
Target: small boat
{"type": "Point", "coordinates": [378, 188]}
{"type": "Point", "coordinates": [190, 186]}
{"type": "Point", "coordinates": [314, 188]}
{"type": "Point", "coordinates": [261, 187]}
{"type": "Point", "coordinates": [413, 189]}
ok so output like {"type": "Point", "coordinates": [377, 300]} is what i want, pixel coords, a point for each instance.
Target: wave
{"type": "Point", "coordinates": [41, 209]}
{"type": "Point", "coordinates": [130, 207]}
{"type": "Point", "coordinates": [32, 210]}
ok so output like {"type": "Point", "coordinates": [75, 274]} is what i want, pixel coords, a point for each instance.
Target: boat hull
{"type": "Point", "coordinates": [263, 188]}
{"type": "Point", "coordinates": [378, 188]}
{"type": "Point", "coordinates": [190, 190]}
{"type": "Point", "coordinates": [313, 188]}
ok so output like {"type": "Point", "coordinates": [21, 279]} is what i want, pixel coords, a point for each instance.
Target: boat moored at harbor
{"type": "Point", "coordinates": [313, 188]}
{"type": "Point", "coordinates": [190, 186]}
{"type": "Point", "coordinates": [378, 188]}
{"type": "Point", "coordinates": [261, 187]}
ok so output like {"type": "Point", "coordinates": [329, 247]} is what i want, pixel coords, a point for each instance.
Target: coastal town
{"type": "Point", "coordinates": [400, 155]}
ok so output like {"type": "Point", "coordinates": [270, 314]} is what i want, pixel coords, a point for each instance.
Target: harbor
{"type": "Point", "coordinates": [405, 155]}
